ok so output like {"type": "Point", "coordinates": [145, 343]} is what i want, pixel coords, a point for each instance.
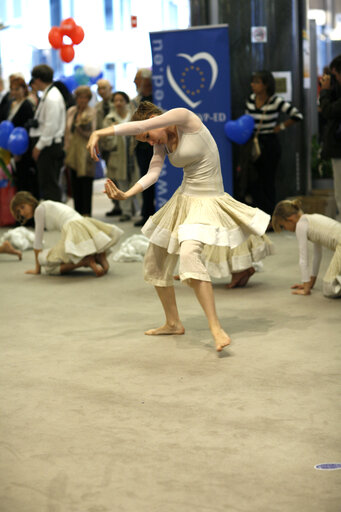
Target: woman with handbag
{"type": "Point", "coordinates": [261, 155]}
{"type": "Point", "coordinates": [80, 122]}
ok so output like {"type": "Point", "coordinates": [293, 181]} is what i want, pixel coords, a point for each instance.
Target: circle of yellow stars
{"type": "Point", "coordinates": [202, 80]}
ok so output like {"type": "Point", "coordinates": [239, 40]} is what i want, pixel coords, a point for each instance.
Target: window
{"type": "Point", "coordinates": [16, 8]}
{"type": "Point", "coordinates": [108, 15]}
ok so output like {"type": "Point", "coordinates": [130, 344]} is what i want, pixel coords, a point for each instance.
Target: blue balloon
{"type": "Point", "coordinates": [70, 82]}
{"type": "Point", "coordinates": [241, 130]}
{"type": "Point", "coordinates": [80, 76]}
{"type": "Point", "coordinates": [6, 128]}
{"type": "Point", "coordinates": [94, 79]}
{"type": "Point", "coordinates": [18, 141]}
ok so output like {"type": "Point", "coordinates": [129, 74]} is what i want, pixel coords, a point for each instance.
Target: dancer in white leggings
{"type": "Point", "coordinates": [200, 223]}
{"type": "Point", "coordinates": [323, 232]}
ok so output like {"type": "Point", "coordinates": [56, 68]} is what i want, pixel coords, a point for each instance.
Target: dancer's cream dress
{"type": "Point", "coordinates": [231, 233]}
{"type": "Point", "coordinates": [80, 236]}
{"type": "Point", "coordinates": [323, 232]}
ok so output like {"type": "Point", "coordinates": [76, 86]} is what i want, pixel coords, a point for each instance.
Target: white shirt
{"type": "Point", "coordinates": [50, 114]}
{"type": "Point", "coordinates": [323, 232]}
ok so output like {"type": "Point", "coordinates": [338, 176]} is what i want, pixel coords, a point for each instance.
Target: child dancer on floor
{"type": "Point", "coordinates": [323, 232]}
{"type": "Point", "coordinates": [200, 222]}
{"type": "Point", "coordinates": [84, 241]}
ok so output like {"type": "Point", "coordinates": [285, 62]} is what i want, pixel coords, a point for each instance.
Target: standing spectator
{"type": "Point", "coordinates": [103, 108]}
{"type": "Point", "coordinates": [121, 160]}
{"type": "Point", "coordinates": [20, 108]}
{"type": "Point", "coordinates": [20, 113]}
{"type": "Point", "coordinates": [144, 152]}
{"type": "Point", "coordinates": [47, 133]}
{"type": "Point", "coordinates": [330, 107]}
{"type": "Point", "coordinates": [80, 122]}
{"type": "Point", "coordinates": [6, 99]}
{"type": "Point", "coordinates": [2, 89]}
{"type": "Point", "coordinates": [265, 107]}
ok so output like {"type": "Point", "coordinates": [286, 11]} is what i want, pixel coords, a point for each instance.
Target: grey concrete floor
{"type": "Point", "coordinates": [98, 417]}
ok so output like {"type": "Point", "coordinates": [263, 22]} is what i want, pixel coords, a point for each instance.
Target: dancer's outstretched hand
{"type": "Point", "coordinates": [113, 192]}
{"type": "Point", "coordinates": [301, 292]}
{"type": "Point", "coordinates": [301, 289]}
{"type": "Point", "coordinates": [297, 286]}
{"type": "Point", "coordinates": [34, 271]}
{"type": "Point", "coordinates": [92, 146]}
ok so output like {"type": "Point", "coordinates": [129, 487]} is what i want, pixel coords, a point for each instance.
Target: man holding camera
{"type": "Point", "coordinates": [47, 132]}
{"type": "Point", "coordinates": [330, 107]}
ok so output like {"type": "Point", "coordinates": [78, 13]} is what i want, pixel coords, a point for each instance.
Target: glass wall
{"type": "Point", "coordinates": [111, 44]}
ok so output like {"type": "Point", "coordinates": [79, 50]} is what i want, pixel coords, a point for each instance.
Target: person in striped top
{"type": "Point", "coordinates": [265, 107]}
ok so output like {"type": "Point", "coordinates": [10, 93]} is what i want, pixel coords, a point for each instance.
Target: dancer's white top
{"type": "Point", "coordinates": [322, 231]}
{"type": "Point", "coordinates": [187, 155]}
{"type": "Point", "coordinates": [199, 209]}
{"type": "Point", "coordinates": [52, 216]}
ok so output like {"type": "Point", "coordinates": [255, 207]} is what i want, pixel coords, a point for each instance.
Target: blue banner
{"type": "Point", "coordinates": [191, 69]}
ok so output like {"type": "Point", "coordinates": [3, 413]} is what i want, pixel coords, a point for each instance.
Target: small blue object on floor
{"type": "Point", "coordinates": [329, 466]}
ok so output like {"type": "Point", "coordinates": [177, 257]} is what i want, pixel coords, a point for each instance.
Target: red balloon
{"type": "Point", "coordinates": [67, 53]}
{"type": "Point", "coordinates": [56, 38]}
{"type": "Point", "coordinates": [77, 35]}
{"type": "Point", "coordinates": [67, 26]}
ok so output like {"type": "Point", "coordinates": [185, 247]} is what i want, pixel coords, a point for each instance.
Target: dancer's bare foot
{"type": "Point", "coordinates": [8, 248]}
{"type": "Point", "coordinates": [250, 271]}
{"type": "Point", "coordinates": [166, 329]}
{"type": "Point", "coordinates": [101, 258]}
{"type": "Point", "coordinates": [90, 261]}
{"type": "Point", "coordinates": [240, 279]}
{"type": "Point", "coordinates": [221, 339]}
{"type": "Point", "coordinates": [176, 278]}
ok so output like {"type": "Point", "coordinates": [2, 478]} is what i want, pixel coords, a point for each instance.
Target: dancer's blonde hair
{"type": "Point", "coordinates": [283, 210]}
{"type": "Point", "coordinates": [145, 110]}
{"type": "Point", "coordinates": [22, 197]}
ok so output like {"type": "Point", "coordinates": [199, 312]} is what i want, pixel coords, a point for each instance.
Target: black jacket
{"type": "Point", "coordinates": [330, 103]}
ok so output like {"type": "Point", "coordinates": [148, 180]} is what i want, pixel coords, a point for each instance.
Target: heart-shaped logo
{"type": "Point", "coordinates": [193, 81]}
{"type": "Point", "coordinates": [240, 131]}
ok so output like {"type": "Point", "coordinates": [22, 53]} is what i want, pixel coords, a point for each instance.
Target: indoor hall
{"type": "Point", "coordinates": [98, 417]}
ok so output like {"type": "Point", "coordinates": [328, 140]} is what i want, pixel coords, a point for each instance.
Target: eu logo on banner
{"type": "Point", "coordinates": [191, 69]}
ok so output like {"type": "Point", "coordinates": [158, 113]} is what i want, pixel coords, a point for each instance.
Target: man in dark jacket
{"type": "Point", "coordinates": [143, 150]}
{"type": "Point", "coordinates": [330, 105]}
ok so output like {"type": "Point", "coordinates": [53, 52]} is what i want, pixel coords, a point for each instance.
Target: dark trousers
{"type": "Point", "coordinates": [263, 190]}
{"type": "Point", "coordinates": [25, 175]}
{"type": "Point", "coordinates": [49, 165]}
{"type": "Point", "coordinates": [144, 153]}
{"type": "Point", "coordinates": [82, 193]}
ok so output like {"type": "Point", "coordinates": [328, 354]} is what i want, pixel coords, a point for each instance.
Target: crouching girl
{"type": "Point", "coordinates": [84, 242]}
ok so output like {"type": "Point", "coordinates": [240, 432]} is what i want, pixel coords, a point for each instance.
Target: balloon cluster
{"type": "Point", "coordinates": [83, 75]}
{"type": "Point", "coordinates": [68, 28]}
{"type": "Point", "coordinates": [12, 140]}
{"type": "Point", "coordinates": [240, 131]}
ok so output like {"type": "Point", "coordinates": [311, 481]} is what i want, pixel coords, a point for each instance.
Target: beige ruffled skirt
{"type": "Point", "coordinates": [233, 233]}
{"type": "Point", "coordinates": [79, 238]}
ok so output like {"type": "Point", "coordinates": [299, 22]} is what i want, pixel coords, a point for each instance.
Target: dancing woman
{"type": "Point", "coordinates": [200, 223]}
